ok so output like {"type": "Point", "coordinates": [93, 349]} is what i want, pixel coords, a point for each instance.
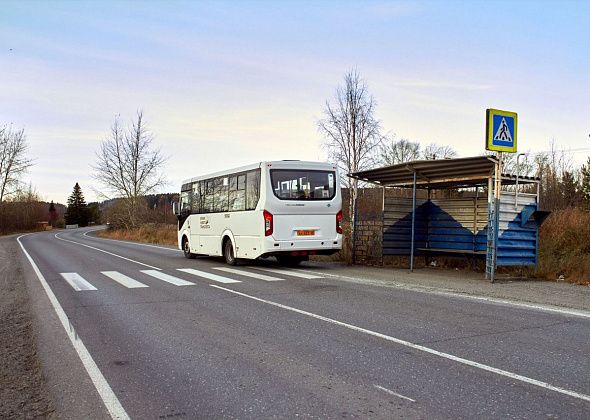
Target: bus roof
{"type": "Point", "coordinates": [282, 164]}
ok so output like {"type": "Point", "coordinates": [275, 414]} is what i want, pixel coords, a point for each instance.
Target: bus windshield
{"type": "Point", "coordinates": [288, 184]}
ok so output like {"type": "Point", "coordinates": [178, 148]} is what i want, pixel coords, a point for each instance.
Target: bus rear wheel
{"type": "Point", "coordinates": [187, 249]}
{"type": "Point", "coordinates": [228, 252]}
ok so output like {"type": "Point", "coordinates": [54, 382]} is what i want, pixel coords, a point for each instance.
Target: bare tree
{"type": "Point", "coordinates": [403, 150]}
{"type": "Point", "coordinates": [438, 151]}
{"type": "Point", "coordinates": [13, 160]}
{"type": "Point", "coordinates": [129, 166]}
{"type": "Point", "coordinates": [555, 167]}
{"type": "Point", "coordinates": [351, 131]}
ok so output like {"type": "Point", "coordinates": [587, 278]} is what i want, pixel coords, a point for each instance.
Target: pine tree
{"type": "Point", "coordinates": [77, 212]}
{"type": "Point", "coordinates": [569, 190]}
{"type": "Point", "coordinates": [52, 214]}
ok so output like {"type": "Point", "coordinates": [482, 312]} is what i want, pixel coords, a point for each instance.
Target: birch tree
{"type": "Point", "coordinates": [438, 151]}
{"type": "Point", "coordinates": [13, 160]}
{"type": "Point", "coordinates": [352, 133]}
{"type": "Point", "coordinates": [129, 166]}
{"type": "Point", "coordinates": [403, 150]}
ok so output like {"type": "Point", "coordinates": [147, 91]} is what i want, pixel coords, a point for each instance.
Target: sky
{"type": "Point", "coordinates": [228, 83]}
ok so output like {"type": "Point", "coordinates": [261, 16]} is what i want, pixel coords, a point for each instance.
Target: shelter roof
{"type": "Point", "coordinates": [443, 173]}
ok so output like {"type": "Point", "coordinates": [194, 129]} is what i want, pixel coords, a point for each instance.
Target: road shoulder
{"type": "Point", "coordinates": [23, 387]}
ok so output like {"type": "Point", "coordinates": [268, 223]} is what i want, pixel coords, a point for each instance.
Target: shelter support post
{"type": "Point", "coordinates": [494, 196]}
{"type": "Point", "coordinates": [413, 223]}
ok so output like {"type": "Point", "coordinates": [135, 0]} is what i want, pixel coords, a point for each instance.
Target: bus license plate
{"type": "Point", "coordinates": [305, 232]}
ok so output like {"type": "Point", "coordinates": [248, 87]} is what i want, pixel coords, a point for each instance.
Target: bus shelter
{"type": "Point", "coordinates": [490, 217]}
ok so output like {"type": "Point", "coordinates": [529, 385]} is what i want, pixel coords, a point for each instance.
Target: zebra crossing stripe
{"type": "Point", "coordinates": [209, 276]}
{"type": "Point", "coordinates": [248, 274]}
{"type": "Point", "coordinates": [123, 280]}
{"type": "Point", "coordinates": [291, 273]}
{"type": "Point", "coordinates": [77, 282]}
{"type": "Point", "coordinates": [167, 278]}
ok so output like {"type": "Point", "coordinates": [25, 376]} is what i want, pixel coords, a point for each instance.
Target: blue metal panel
{"type": "Point", "coordinates": [461, 225]}
{"type": "Point", "coordinates": [517, 241]}
{"type": "Point", "coordinates": [397, 226]}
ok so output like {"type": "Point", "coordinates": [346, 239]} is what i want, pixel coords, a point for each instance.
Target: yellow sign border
{"type": "Point", "coordinates": [490, 128]}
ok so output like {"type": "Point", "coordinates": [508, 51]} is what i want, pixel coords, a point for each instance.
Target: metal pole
{"type": "Point", "coordinates": [354, 227]}
{"type": "Point", "coordinates": [517, 174]}
{"type": "Point", "coordinates": [413, 223]}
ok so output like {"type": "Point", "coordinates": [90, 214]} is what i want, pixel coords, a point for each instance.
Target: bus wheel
{"type": "Point", "coordinates": [228, 252]}
{"type": "Point", "coordinates": [187, 249]}
{"type": "Point", "coordinates": [288, 261]}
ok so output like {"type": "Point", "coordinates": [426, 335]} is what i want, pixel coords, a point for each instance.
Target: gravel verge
{"type": "Point", "coordinates": [23, 391]}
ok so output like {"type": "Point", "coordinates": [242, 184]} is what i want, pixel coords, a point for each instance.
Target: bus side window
{"type": "Point", "coordinates": [233, 192]}
{"type": "Point", "coordinates": [220, 199]}
{"type": "Point", "coordinates": [196, 201]}
{"type": "Point", "coordinates": [238, 195]}
{"type": "Point", "coordinates": [252, 189]}
{"type": "Point", "coordinates": [208, 199]}
{"type": "Point", "coordinates": [185, 202]}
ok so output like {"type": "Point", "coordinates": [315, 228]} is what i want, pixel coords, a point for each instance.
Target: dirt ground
{"type": "Point", "coordinates": [23, 393]}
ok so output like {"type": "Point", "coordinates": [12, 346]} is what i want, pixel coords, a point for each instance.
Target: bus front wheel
{"type": "Point", "coordinates": [228, 252]}
{"type": "Point", "coordinates": [187, 249]}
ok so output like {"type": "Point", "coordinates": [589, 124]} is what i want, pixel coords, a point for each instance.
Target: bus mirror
{"type": "Point", "coordinates": [175, 208]}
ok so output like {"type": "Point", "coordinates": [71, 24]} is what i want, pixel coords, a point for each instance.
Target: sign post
{"type": "Point", "coordinates": [501, 136]}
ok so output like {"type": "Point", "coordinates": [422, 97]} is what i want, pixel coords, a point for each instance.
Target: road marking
{"type": "Point", "coordinates": [106, 252]}
{"type": "Point", "coordinates": [167, 278]}
{"type": "Point", "coordinates": [124, 280]}
{"type": "Point", "coordinates": [110, 400]}
{"type": "Point", "coordinates": [444, 292]}
{"type": "Point", "coordinates": [127, 242]}
{"type": "Point", "coordinates": [390, 392]}
{"type": "Point", "coordinates": [248, 274]}
{"type": "Point", "coordinates": [209, 276]}
{"type": "Point", "coordinates": [77, 282]}
{"type": "Point", "coordinates": [292, 273]}
{"type": "Point", "coordinates": [418, 347]}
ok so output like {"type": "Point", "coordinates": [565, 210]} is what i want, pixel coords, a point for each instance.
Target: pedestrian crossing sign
{"type": "Point", "coordinates": [501, 129]}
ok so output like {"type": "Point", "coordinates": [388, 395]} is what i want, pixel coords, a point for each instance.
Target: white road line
{"type": "Point", "coordinates": [167, 278]}
{"type": "Point", "coordinates": [448, 293]}
{"type": "Point", "coordinates": [390, 392]}
{"type": "Point", "coordinates": [107, 252]}
{"type": "Point", "coordinates": [292, 273]}
{"type": "Point", "coordinates": [127, 242]}
{"type": "Point", "coordinates": [77, 282]}
{"type": "Point", "coordinates": [419, 347]}
{"type": "Point", "coordinates": [248, 274]}
{"type": "Point", "coordinates": [110, 400]}
{"type": "Point", "coordinates": [209, 276]}
{"type": "Point", "coordinates": [122, 279]}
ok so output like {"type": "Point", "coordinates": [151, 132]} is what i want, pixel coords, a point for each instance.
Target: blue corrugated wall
{"type": "Point", "coordinates": [517, 235]}
{"type": "Point", "coordinates": [461, 225]}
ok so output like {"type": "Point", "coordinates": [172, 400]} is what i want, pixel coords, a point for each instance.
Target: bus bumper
{"type": "Point", "coordinates": [302, 247]}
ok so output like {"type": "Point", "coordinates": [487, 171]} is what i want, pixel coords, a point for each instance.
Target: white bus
{"type": "Point", "coordinates": [284, 209]}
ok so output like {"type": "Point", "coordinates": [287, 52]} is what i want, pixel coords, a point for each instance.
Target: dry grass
{"type": "Point", "coordinates": [150, 233]}
{"type": "Point", "coordinates": [565, 246]}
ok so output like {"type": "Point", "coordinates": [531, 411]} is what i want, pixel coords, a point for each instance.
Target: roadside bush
{"type": "Point", "coordinates": [564, 246]}
{"type": "Point", "coordinates": [21, 214]}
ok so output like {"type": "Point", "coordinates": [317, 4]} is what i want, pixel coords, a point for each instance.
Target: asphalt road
{"type": "Point", "coordinates": [158, 342]}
